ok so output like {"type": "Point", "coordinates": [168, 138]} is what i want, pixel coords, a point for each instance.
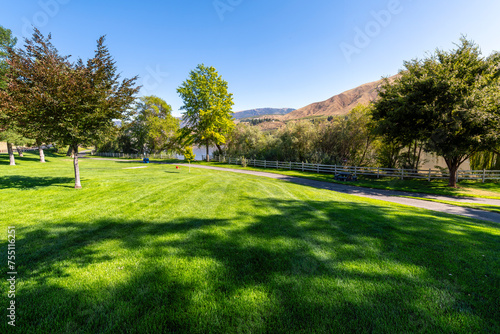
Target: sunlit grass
{"type": "Point", "coordinates": [468, 188]}
{"type": "Point", "coordinates": [162, 250]}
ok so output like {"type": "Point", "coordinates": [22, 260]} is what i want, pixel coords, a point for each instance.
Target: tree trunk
{"type": "Point", "coordinates": [78, 185]}
{"type": "Point", "coordinates": [208, 154]}
{"type": "Point", "coordinates": [11, 154]}
{"type": "Point", "coordinates": [19, 151]}
{"type": "Point", "coordinates": [419, 156]}
{"type": "Point", "coordinates": [452, 182]}
{"type": "Point", "coordinates": [40, 151]}
{"type": "Point", "coordinates": [219, 149]}
{"type": "Point", "coordinates": [453, 164]}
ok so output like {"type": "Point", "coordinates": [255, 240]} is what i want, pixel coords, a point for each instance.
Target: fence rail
{"type": "Point", "coordinates": [23, 149]}
{"type": "Point", "coordinates": [401, 173]}
{"type": "Point", "coordinates": [135, 155]}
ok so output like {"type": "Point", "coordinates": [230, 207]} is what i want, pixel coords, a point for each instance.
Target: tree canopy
{"type": "Point", "coordinates": [448, 101]}
{"type": "Point", "coordinates": [207, 107]}
{"type": "Point", "coordinates": [153, 127]}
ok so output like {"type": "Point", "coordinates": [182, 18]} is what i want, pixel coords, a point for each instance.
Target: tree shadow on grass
{"type": "Point", "coordinates": [4, 159]}
{"type": "Point", "coordinates": [302, 267]}
{"type": "Point", "coordinates": [28, 182]}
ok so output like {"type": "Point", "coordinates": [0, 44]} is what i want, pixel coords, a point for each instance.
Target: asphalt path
{"type": "Point", "coordinates": [385, 195]}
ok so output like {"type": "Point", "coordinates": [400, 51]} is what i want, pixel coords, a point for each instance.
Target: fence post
{"type": "Point", "coordinates": [335, 169]}
{"type": "Point", "coordinates": [290, 165]}
{"type": "Point", "coordinates": [277, 164]}
{"type": "Point", "coordinates": [302, 165]}
{"type": "Point", "coordinates": [484, 174]}
{"type": "Point", "coordinates": [318, 168]}
{"type": "Point", "coordinates": [378, 172]}
{"type": "Point", "coordinates": [265, 163]}
{"type": "Point", "coordinates": [429, 175]}
{"type": "Point", "coordinates": [355, 170]}
{"type": "Point", "coordinates": [402, 174]}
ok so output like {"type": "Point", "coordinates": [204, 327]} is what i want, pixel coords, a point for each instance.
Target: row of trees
{"type": "Point", "coordinates": [447, 104]}
{"type": "Point", "coordinates": [49, 99]}
{"type": "Point", "coordinates": [151, 128]}
{"type": "Point", "coordinates": [344, 139]}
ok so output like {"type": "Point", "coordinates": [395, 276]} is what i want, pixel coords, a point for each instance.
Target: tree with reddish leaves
{"type": "Point", "coordinates": [69, 102]}
{"type": "Point", "coordinates": [8, 131]}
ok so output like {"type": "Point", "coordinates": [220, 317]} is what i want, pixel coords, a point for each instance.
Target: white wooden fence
{"type": "Point", "coordinates": [429, 174]}
{"type": "Point", "coordinates": [135, 155]}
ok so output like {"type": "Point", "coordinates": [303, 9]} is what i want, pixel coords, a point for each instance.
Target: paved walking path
{"type": "Point", "coordinates": [385, 195]}
{"type": "Point", "coordinates": [392, 196]}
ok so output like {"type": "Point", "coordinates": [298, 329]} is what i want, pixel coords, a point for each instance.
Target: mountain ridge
{"type": "Point", "coordinates": [261, 112]}
{"type": "Point", "coordinates": [340, 104]}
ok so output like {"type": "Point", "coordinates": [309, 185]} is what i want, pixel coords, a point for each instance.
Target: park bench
{"type": "Point", "coordinates": [345, 177]}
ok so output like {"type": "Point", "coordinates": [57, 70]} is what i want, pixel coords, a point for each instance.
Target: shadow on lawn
{"type": "Point", "coordinates": [31, 156]}
{"type": "Point", "coordinates": [4, 159]}
{"type": "Point", "coordinates": [307, 266]}
{"type": "Point", "coordinates": [27, 182]}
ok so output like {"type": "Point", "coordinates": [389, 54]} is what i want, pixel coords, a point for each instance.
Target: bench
{"type": "Point", "coordinates": [345, 177]}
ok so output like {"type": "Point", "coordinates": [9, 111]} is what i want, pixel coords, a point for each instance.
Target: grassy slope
{"type": "Point", "coordinates": [157, 249]}
{"type": "Point", "coordinates": [438, 187]}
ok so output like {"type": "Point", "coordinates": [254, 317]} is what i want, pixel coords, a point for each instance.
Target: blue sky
{"type": "Point", "coordinates": [273, 53]}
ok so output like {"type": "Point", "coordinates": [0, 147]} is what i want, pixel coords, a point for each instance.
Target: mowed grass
{"type": "Point", "coordinates": [465, 188]}
{"type": "Point", "coordinates": [159, 250]}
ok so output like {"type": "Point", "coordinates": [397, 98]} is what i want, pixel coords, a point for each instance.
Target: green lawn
{"type": "Point", "coordinates": [438, 187]}
{"type": "Point", "coordinates": [157, 249]}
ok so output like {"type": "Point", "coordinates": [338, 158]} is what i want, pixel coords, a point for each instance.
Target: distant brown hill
{"type": "Point", "coordinates": [339, 104]}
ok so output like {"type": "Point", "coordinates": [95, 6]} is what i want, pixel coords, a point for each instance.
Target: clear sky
{"type": "Point", "coordinates": [273, 53]}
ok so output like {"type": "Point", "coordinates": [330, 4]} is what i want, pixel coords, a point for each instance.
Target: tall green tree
{"type": "Point", "coordinates": [189, 156]}
{"type": "Point", "coordinates": [207, 108]}
{"type": "Point", "coordinates": [153, 126]}
{"type": "Point", "coordinates": [72, 102]}
{"type": "Point", "coordinates": [449, 102]}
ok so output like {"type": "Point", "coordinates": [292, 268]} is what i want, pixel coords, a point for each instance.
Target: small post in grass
{"type": "Point", "coordinates": [189, 156]}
